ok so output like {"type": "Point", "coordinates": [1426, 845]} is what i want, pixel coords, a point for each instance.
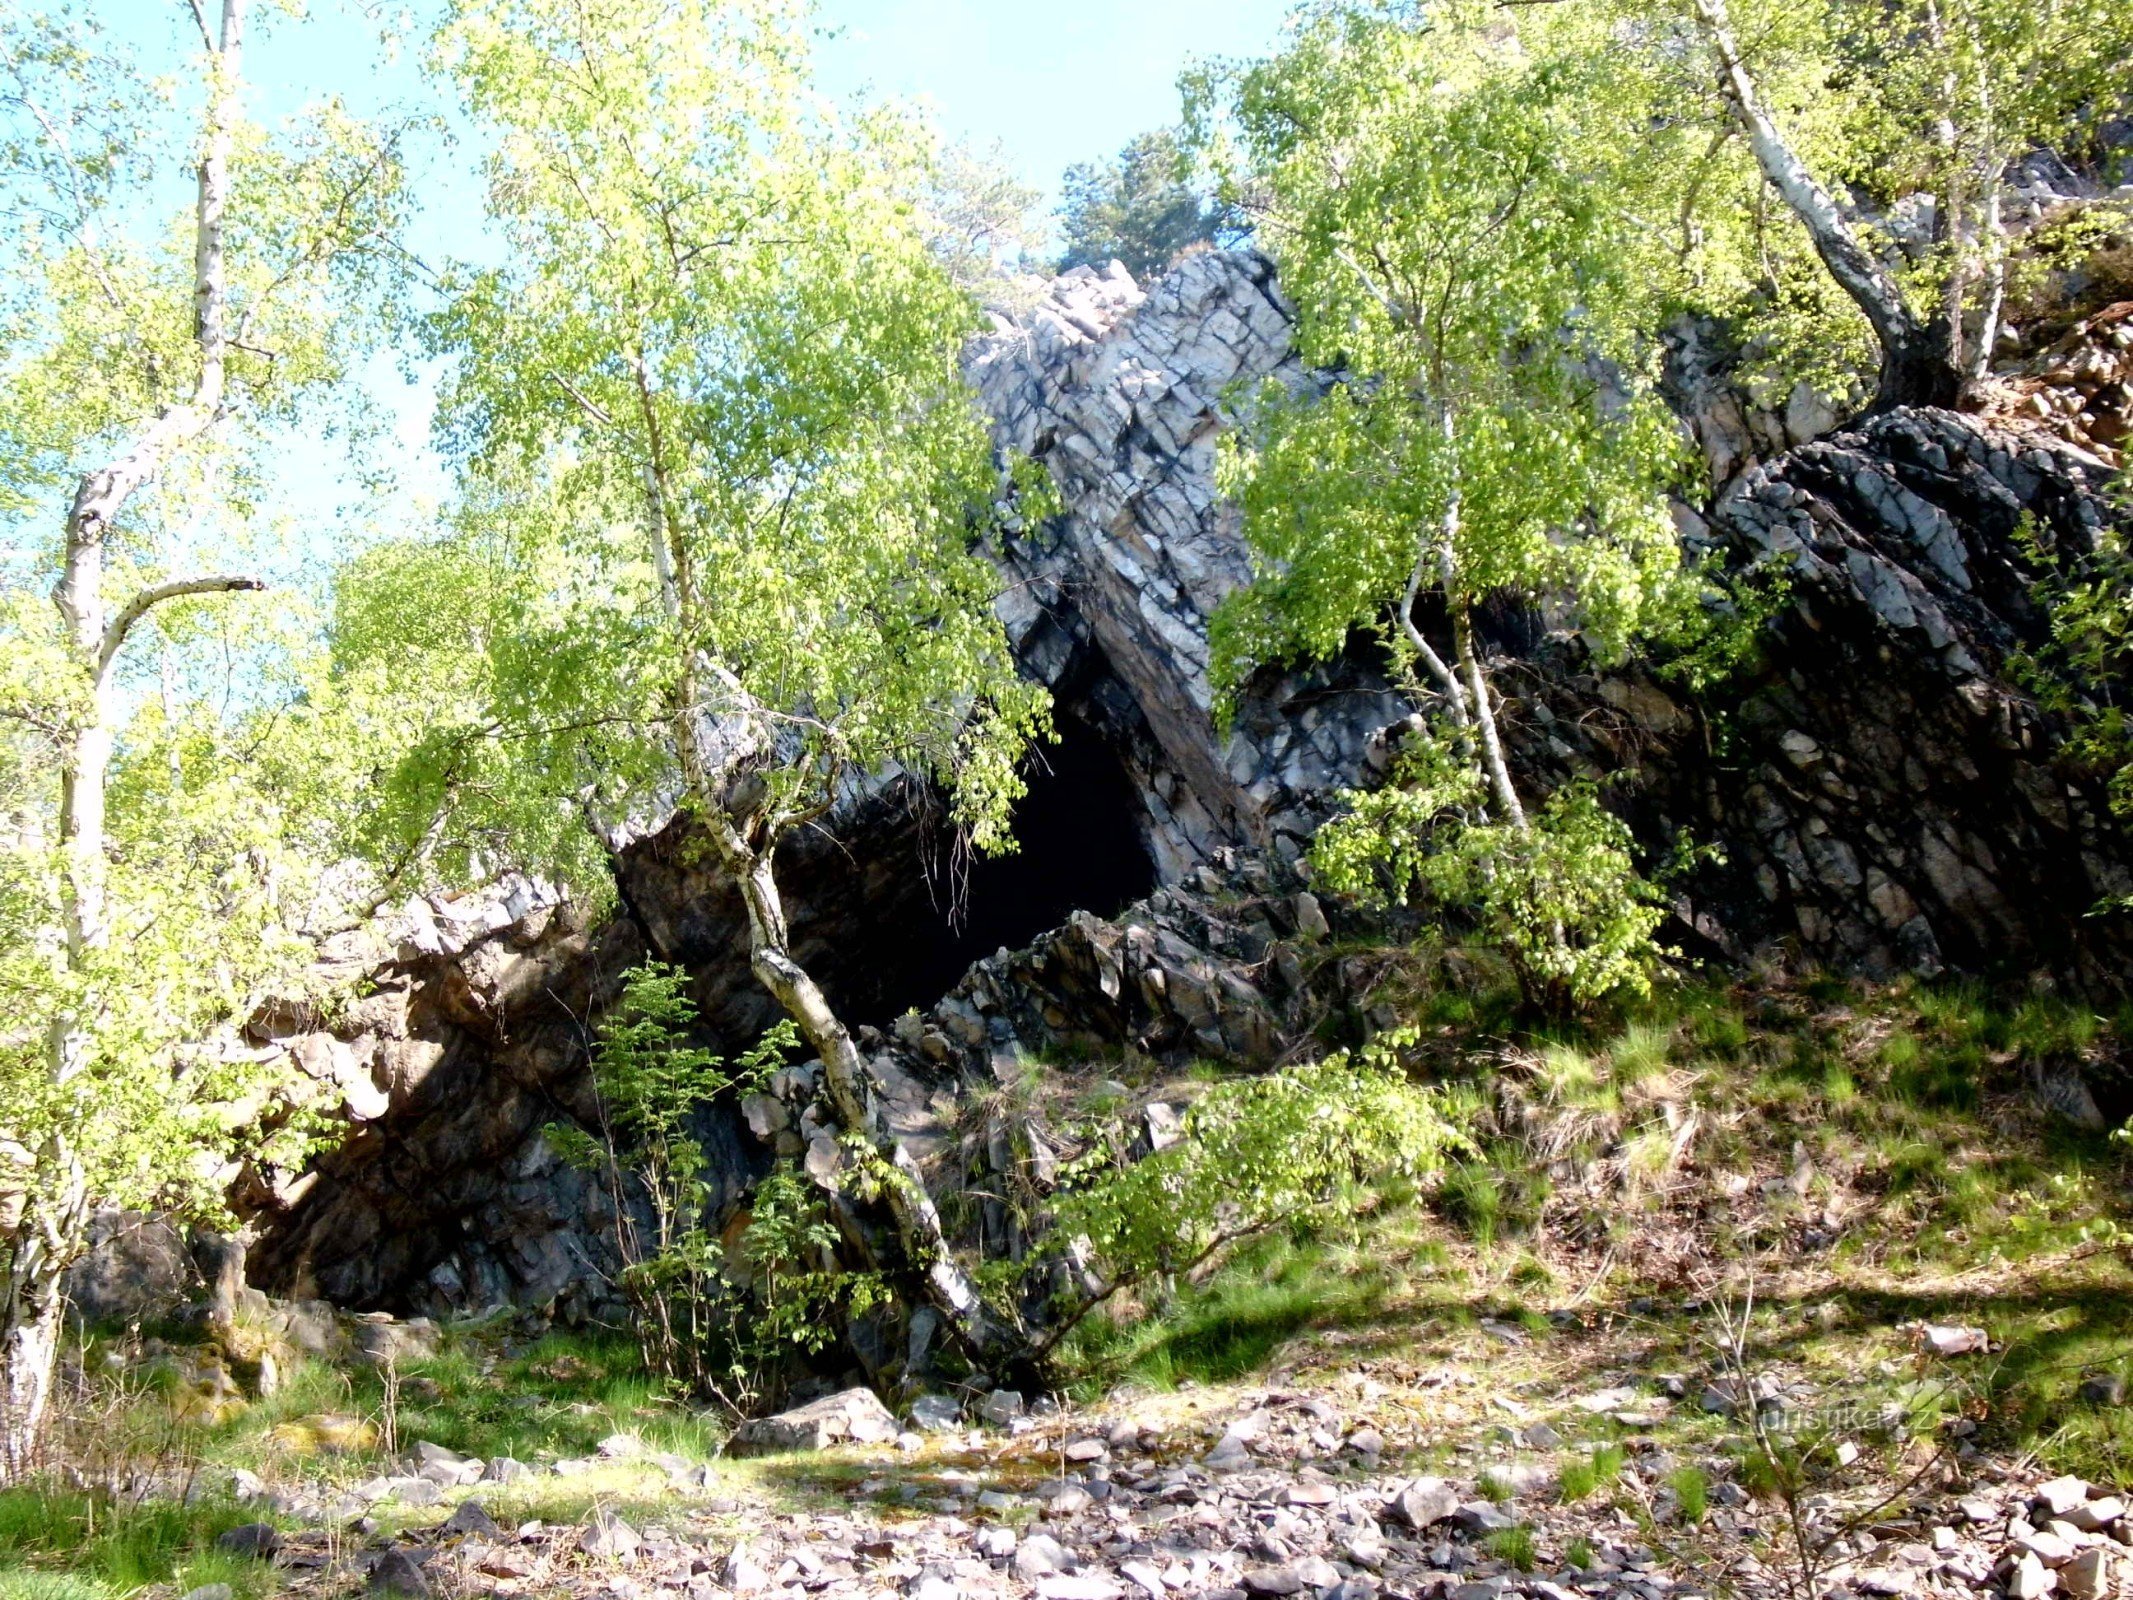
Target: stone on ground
{"type": "Point", "coordinates": [856, 1416]}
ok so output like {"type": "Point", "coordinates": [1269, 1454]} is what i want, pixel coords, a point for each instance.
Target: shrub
{"type": "Point", "coordinates": [711, 1324]}
{"type": "Point", "coordinates": [1561, 897]}
{"type": "Point", "coordinates": [1285, 1152]}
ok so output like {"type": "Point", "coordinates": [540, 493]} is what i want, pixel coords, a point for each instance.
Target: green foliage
{"type": "Point", "coordinates": [207, 859]}
{"type": "Point", "coordinates": [1139, 208]}
{"type": "Point", "coordinates": [1692, 1492]}
{"type": "Point", "coordinates": [1255, 1155]}
{"type": "Point", "coordinates": [1451, 235]}
{"type": "Point", "coordinates": [1563, 899]}
{"type": "Point", "coordinates": [2084, 671]}
{"type": "Point", "coordinates": [1942, 95]}
{"type": "Point", "coordinates": [1447, 231]}
{"type": "Point", "coordinates": [1581, 1480]}
{"type": "Point", "coordinates": [710, 1320]}
{"type": "Point", "coordinates": [96, 304]}
{"type": "Point", "coordinates": [983, 226]}
{"type": "Point", "coordinates": [711, 424]}
{"type": "Point", "coordinates": [107, 1550]}
{"type": "Point", "coordinates": [1514, 1547]}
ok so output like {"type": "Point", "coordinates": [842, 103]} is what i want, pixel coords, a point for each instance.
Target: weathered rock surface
{"type": "Point", "coordinates": [1121, 394]}
{"type": "Point", "coordinates": [1888, 799]}
{"type": "Point", "coordinates": [856, 1416]}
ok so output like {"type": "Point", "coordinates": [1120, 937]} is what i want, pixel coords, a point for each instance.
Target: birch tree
{"type": "Point", "coordinates": [136, 368]}
{"type": "Point", "coordinates": [1939, 98]}
{"type": "Point", "coordinates": [1456, 252]}
{"type": "Point", "coordinates": [714, 401]}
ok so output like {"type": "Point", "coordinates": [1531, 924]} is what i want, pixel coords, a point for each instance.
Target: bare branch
{"type": "Point", "coordinates": [590, 408]}
{"type": "Point", "coordinates": [148, 599]}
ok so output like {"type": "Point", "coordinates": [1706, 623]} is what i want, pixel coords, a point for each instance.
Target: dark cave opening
{"type": "Point", "coordinates": [883, 912]}
{"type": "Point", "coordinates": [1081, 849]}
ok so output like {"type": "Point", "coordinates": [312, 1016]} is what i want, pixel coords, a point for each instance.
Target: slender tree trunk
{"type": "Point", "coordinates": [1992, 168]}
{"type": "Point", "coordinates": [43, 1242]}
{"type": "Point", "coordinates": [1492, 756]}
{"type": "Point", "coordinates": [1988, 325]}
{"type": "Point", "coordinates": [993, 1344]}
{"type": "Point", "coordinates": [28, 1361]}
{"type": "Point", "coordinates": [1915, 369]}
{"type": "Point", "coordinates": [1476, 708]}
{"type": "Point", "coordinates": [51, 1230]}
{"type": "Point", "coordinates": [1952, 221]}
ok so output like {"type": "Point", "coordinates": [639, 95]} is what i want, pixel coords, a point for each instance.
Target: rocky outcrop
{"type": "Point", "coordinates": [1894, 790]}
{"type": "Point", "coordinates": [1122, 395]}
{"type": "Point", "coordinates": [469, 1037]}
{"type": "Point", "coordinates": [1887, 798]}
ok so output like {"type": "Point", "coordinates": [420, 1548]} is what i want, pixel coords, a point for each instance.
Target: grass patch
{"type": "Point", "coordinates": [65, 1544]}
{"type": "Point", "coordinates": [1514, 1546]}
{"type": "Point", "coordinates": [1692, 1492]}
{"type": "Point", "coordinates": [1268, 1294]}
{"type": "Point", "coordinates": [1581, 1479]}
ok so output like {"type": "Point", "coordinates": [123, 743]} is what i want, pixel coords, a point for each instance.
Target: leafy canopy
{"type": "Point", "coordinates": [713, 433]}
{"type": "Point", "coordinates": [1139, 208]}
{"type": "Point", "coordinates": [210, 874]}
{"type": "Point", "coordinates": [1447, 232]}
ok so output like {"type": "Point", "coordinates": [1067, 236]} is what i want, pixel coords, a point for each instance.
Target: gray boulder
{"type": "Point", "coordinates": [856, 1416]}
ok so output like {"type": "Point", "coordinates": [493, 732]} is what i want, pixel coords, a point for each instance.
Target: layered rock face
{"type": "Point", "coordinates": [1897, 799]}
{"type": "Point", "coordinates": [1887, 799]}
{"type": "Point", "coordinates": [1121, 395]}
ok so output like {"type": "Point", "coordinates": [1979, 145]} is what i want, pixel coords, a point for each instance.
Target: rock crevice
{"type": "Point", "coordinates": [1887, 797]}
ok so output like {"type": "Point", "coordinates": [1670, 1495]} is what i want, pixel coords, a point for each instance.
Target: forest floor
{"type": "Point", "coordinates": [1799, 1294]}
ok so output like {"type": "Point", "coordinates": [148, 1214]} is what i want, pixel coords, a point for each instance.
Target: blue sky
{"type": "Point", "coordinates": [1055, 83]}
{"type": "Point", "coordinates": [1052, 85]}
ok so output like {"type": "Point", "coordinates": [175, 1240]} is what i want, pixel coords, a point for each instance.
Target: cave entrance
{"type": "Point", "coordinates": [1081, 850]}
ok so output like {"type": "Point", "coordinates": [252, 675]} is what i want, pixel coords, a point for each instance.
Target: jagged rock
{"type": "Point", "coordinates": [472, 1517]}
{"type": "Point", "coordinates": [1039, 1555]}
{"type": "Point", "coordinates": [740, 1572]}
{"type": "Point", "coordinates": [856, 1416]}
{"type": "Point", "coordinates": [2029, 1580]}
{"type": "Point", "coordinates": [398, 1573]}
{"type": "Point", "coordinates": [137, 1270]}
{"type": "Point", "coordinates": [2088, 1575]}
{"type": "Point", "coordinates": [2106, 1389]}
{"type": "Point", "coordinates": [383, 1342]}
{"type": "Point", "coordinates": [606, 1537]}
{"type": "Point", "coordinates": [1888, 801]}
{"type": "Point", "coordinates": [1425, 1503]}
{"type": "Point", "coordinates": [259, 1540]}
{"type": "Point", "coordinates": [2061, 1495]}
{"type": "Point", "coordinates": [936, 1413]}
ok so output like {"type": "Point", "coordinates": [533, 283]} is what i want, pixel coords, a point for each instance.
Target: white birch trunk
{"type": "Point", "coordinates": [1914, 368]}
{"type": "Point", "coordinates": [50, 1231]}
